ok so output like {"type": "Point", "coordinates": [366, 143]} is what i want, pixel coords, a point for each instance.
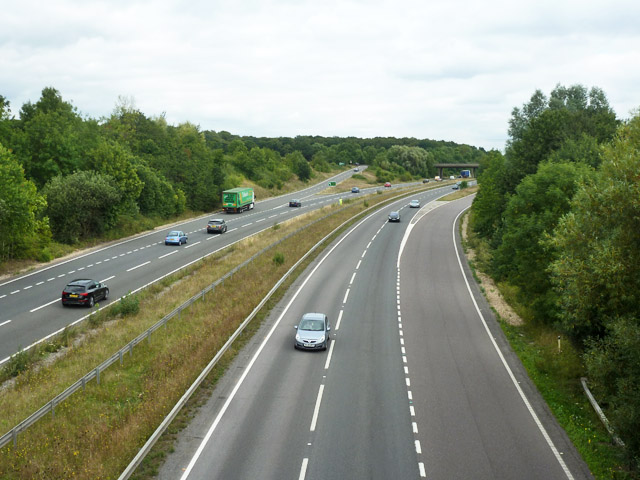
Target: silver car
{"type": "Point", "coordinates": [312, 333]}
{"type": "Point", "coordinates": [414, 204]}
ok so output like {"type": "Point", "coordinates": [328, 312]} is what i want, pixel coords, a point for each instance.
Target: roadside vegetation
{"type": "Point", "coordinates": [555, 224]}
{"type": "Point", "coordinates": [96, 432]}
{"type": "Point", "coordinates": [69, 182]}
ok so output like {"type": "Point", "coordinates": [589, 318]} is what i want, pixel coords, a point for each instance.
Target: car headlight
{"type": "Point", "coordinates": [298, 337]}
{"type": "Point", "coordinates": [321, 339]}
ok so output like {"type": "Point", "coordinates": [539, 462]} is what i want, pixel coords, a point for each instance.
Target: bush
{"type": "Point", "coordinates": [17, 364]}
{"type": "Point", "coordinates": [278, 258]}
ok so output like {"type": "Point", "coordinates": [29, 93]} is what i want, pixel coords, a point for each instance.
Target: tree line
{"type": "Point", "coordinates": [560, 212]}
{"type": "Point", "coordinates": [67, 178]}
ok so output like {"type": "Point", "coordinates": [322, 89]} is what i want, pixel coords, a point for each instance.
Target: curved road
{"type": "Point", "coordinates": [415, 383]}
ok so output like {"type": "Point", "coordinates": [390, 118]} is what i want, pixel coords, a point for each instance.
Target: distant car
{"type": "Point", "coordinates": [83, 291]}
{"type": "Point", "coordinates": [216, 225]}
{"type": "Point", "coordinates": [356, 169]}
{"type": "Point", "coordinates": [295, 203]}
{"type": "Point", "coordinates": [355, 190]}
{"type": "Point", "coordinates": [452, 177]}
{"type": "Point", "coordinates": [387, 184]}
{"type": "Point", "coordinates": [414, 204]}
{"type": "Point", "coordinates": [312, 333]}
{"type": "Point", "coordinates": [455, 187]}
{"type": "Point", "coordinates": [175, 237]}
{"type": "Point", "coordinates": [394, 216]}
{"type": "Point", "coordinates": [426, 180]}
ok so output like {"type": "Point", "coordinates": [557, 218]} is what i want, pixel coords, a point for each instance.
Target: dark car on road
{"type": "Point", "coordinates": [312, 333]}
{"type": "Point", "coordinates": [394, 216]}
{"type": "Point", "coordinates": [216, 225]}
{"type": "Point", "coordinates": [355, 190]}
{"type": "Point", "coordinates": [83, 291]}
{"type": "Point", "coordinates": [175, 237]}
{"type": "Point", "coordinates": [295, 203]}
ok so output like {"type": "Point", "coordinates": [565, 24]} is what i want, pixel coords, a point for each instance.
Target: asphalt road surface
{"type": "Point", "coordinates": [30, 307]}
{"type": "Point", "coordinates": [418, 381]}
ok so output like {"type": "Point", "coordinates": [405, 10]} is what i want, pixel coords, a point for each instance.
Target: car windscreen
{"type": "Point", "coordinates": [312, 325]}
{"type": "Point", "coordinates": [173, 234]}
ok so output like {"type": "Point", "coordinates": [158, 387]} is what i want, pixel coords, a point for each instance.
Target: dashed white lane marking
{"type": "Point", "coordinates": [2, 296]}
{"type": "Point", "coordinates": [358, 265]}
{"type": "Point", "coordinates": [261, 220]}
{"type": "Point", "coordinates": [192, 245]}
{"type": "Point", "coordinates": [98, 263]}
{"type": "Point", "coordinates": [45, 305]}
{"type": "Point", "coordinates": [339, 320]}
{"type": "Point", "coordinates": [81, 268]}
{"type": "Point", "coordinates": [273, 216]}
{"type": "Point", "coordinates": [72, 271]}
{"type": "Point", "coordinates": [5, 322]}
{"type": "Point", "coordinates": [316, 409]}
{"type": "Point", "coordinates": [303, 469]}
{"type": "Point", "coordinates": [418, 447]}
{"type": "Point", "coordinates": [423, 472]}
{"type": "Point", "coordinates": [138, 266]}
{"type": "Point", "coordinates": [61, 275]}
{"type": "Point", "coordinates": [242, 226]}
{"type": "Point", "coordinates": [14, 292]}
{"type": "Point", "coordinates": [328, 362]}
{"type": "Point", "coordinates": [107, 279]}
{"type": "Point", "coordinates": [414, 426]}
{"type": "Point", "coordinates": [363, 254]}
{"type": "Point", "coordinates": [232, 230]}
{"type": "Point", "coordinates": [27, 288]}
{"type": "Point", "coordinates": [346, 295]}
{"type": "Point", "coordinates": [50, 279]}
{"type": "Point", "coordinates": [352, 277]}
{"type": "Point", "coordinates": [167, 254]}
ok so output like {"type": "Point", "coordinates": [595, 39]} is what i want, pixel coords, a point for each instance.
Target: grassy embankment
{"type": "Point", "coordinates": [95, 433]}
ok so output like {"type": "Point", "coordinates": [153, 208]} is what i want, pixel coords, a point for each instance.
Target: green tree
{"type": "Point", "coordinates": [114, 159]}
{"type": "Point", "coordinates": [597, 273]}
{"type": "Point", "coordinates": [81, 205]}
{"type": "Point", "coordinates": [20, 206]}
{"type": "Point", "coordinates": [491, 199]}
{"type": "Point", "coordinates": [53, 138]}
{"type": "Point", "coordinates": [523, 256]}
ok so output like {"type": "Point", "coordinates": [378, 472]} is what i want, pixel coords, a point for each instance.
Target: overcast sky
{"type": "Point", "coordinates": [444, 70]}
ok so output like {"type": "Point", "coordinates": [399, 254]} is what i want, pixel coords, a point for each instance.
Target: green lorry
{"type": "Point", "coordinates": [238, 200]}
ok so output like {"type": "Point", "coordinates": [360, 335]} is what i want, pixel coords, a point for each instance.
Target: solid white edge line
{"type": "Point", "coordinates": [504, 361]}
{"type": "Point", "coordinates": [316, 409]}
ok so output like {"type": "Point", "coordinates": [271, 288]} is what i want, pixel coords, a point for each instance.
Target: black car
{"type": "Point", "coordinates": [295, 203]}
{"type": "Point", "coordinates": [394, 217]}
{"type": "Point", "coordinates": [355, 190]}
{"type": "Point", "coordinates": [216, 225]}
{"type": "Point", "coordinates": [84, 291]}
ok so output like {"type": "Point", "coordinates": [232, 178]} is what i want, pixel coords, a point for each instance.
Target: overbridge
{"type": "Point", "coordinates": [463, 166]}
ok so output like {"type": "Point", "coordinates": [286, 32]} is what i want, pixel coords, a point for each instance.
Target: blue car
{"type": "Point", "coordinates": [175, 237]}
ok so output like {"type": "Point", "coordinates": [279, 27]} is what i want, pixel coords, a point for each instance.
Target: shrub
{"type": "Point", "coordinates": [278, 258]}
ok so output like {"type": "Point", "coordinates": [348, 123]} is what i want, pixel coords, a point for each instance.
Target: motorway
{"type": "Point", "coordinates": [418, 381]}
{"type": "Point", "coordinates": [30, 307]}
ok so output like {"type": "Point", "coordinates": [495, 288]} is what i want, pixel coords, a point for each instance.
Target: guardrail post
{"type": "Point", "coordinates": [84, 383]}
{"type": "Point", "coordinates": [14, 435]}
{"type": "Point", "coordinates": [130, 350]}
{"type": "Point", "coordinates": [53, 409]}
{"type": "Point", "coordinates": [148, 336]}
{"type": "Point", "coordinates": [120, 355]}
{"type": "Point", "coordinates": [98, 375]}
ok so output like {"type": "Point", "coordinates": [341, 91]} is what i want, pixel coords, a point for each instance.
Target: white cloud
{"type": "Point", "coordinates": [446, 70]}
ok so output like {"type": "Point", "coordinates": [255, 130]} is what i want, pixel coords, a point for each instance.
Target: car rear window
{"type": "Point", "coordinates": [75, 288]}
